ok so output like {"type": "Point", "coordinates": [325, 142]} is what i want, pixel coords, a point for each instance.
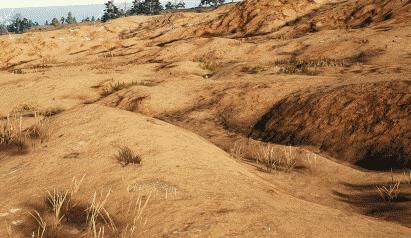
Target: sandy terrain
{"type": "Point", "coordinates": [325, 85]}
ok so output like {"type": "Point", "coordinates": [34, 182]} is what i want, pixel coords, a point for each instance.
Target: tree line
{"type": "Point", "coordinates": [149, 7]}
{"type": "Point", "coordinates": [20, 24]}
{"type": "Point", "coordinates": [70, 19]}
{"type": "Point", "coordinates": [17, 25]}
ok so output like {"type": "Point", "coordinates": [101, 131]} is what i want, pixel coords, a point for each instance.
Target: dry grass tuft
{"type": "Point", "coordinates": [92, 215]}
{"type": "Point", "coordinates": [133, 214]}
{"type": "Point", "coordinates": [275, 159]}
{"type": "Point", "coordinates": [390, 191]}
{"type": "Point", "coordinates": [60, 204]}
{"type": "Point", "coordinates": [208, 63]}
{"type": "Point", "coordinates": [307, 67]}
{"type": "Point", "coordinates": [96, 213]}
{"type": "Point", "coordinates": [270, 156]}
{"type": "Point", "coordinates": [39, 131]}
{"type": "Point", "coordinates": [42, 225]}
{"type": "Point", "coordinates": [51, 111]}
{"type": "Point", "coordinates": [11, 133]}
{"type": "Point", "coordinates": [238, 150]}
{"type": "Point", "coordinates": [112, 88]}
{"type": "Point", "coordinates": [58, 201]}
{"type": "Point", "coordinates": [126, 156]}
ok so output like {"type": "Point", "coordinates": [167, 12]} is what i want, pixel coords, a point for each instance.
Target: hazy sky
{"type": "Point", "coordinates": [44, 3]}
{"type": "Point", "coordinates": [40, 3]}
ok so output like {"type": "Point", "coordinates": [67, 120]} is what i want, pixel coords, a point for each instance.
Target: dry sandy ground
{"type": "Point", "coordinates": [330, 78]}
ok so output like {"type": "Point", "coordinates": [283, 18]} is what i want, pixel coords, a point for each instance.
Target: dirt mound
{"type": "Point", "coordinates": [365, 124]}
{"type": "Point", "coordinates": [353, 14]}
{"type": "Point", "coordinates": [252, 17]}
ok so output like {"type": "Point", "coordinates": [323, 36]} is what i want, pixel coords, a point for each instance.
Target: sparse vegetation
{"type": "Point", "coordinates": [114, 87]}
{"type": "Point", "coordinates": [208, 64]}
{"type": "Point", "coordinates": [12, 133]}
{"type": "Point", "coordinates": [126, 156]}
{"type": "Point", "coordinates": [307, 67]}
{"type": "Point", "coordinates": [93, 216]}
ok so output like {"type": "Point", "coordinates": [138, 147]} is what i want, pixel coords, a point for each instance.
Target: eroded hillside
{"type": "Point", "coordinates": [258, 119]}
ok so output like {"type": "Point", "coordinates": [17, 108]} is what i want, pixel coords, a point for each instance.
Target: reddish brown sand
{"type": "Point", "coordinates": [331, 78]}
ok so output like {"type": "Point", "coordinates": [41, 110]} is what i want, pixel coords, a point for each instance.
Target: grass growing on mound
{"type": "Point", "coordinates": [64, 208]}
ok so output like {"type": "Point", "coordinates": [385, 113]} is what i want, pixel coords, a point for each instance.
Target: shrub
{"type": "Point", "coordinates": [126, 156]}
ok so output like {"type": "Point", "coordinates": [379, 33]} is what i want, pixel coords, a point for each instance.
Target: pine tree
{"type": "Point", "coordinates": [70, 19]}
{"type": "Point", "coordinates": [152, 7]}
{"type": "Point", "coordinates": [62, 20]}
{"type": "Point", "coordinates": [93, 19]}
{"type": "Point", "coordinates": [55, 22]}
{"type": "Point", "coordinates": [111, 12]}
{"type": "Point", "coordinates": [137, 8]}
{"type": "Point", "coordinates": [47, 23]}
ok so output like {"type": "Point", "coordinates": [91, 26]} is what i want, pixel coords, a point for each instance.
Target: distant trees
{"type": "Point", "coordinates": [175, 5]}
{"type": "Point", "coordinates": [213, 3]}
{"type": "Point", "coordinates": [146, 7]}
{"type": "Point", "coordinates": [20, 24]}
{"type": "Point", "coordinates": [138, 8]}
{"type": "Point", "coordinates": [88, 19]}
{"type": "Point", "coordinates": [55, 22]}
{"type": "Point", "coordinates": [70, 19]}
{"type": "Point", "coordinates": [3, 29]}
{"type": "Point", "coordinates": [152, 7]}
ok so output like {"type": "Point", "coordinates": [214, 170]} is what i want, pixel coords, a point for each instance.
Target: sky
{"type": "Point", "coordinates": [43, 3]}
